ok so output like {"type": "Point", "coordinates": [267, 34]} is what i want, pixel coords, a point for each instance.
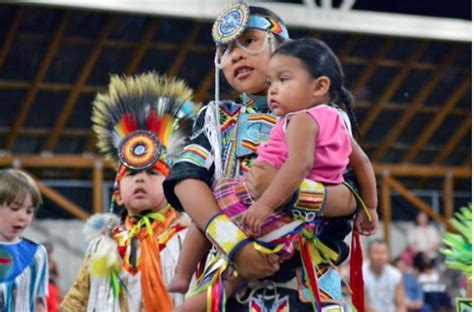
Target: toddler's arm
{"type": "Point", "coordinates": [360, 163]}
{"type": "Point", "coordinates": [301, 135]}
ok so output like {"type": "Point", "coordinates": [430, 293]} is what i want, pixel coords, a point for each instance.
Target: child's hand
{"type": "Point", "coordinates": [362, 223]}
{"type": "Point", "coordinates": [255, 216]}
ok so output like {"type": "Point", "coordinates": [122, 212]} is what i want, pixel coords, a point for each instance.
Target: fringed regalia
{"type": "Point", "coordinates": [23, 275]}
{"type": "Point", "coordinates": [141, 122]}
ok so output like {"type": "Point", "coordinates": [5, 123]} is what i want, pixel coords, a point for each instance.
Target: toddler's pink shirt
{"type": "Point", "coordinates": [333, 145]}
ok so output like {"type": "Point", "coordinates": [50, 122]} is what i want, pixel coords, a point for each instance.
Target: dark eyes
{"type": "Point", "coordinates": [152, 171]}
{"type": "Point", "coordinates": [250, 41]}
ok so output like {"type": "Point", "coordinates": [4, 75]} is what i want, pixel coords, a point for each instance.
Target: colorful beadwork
{"type": "Point", "coordinates": [230, 24]}
{"type": "Point", "coordinates": [139, 150]}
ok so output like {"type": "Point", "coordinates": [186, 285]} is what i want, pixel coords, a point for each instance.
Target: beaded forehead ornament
{"type": "Point", "coordinates": [236, 18]}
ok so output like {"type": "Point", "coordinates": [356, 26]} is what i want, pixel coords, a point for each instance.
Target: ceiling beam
{"type": "Point", "coordinates": [295, 15]}
{"type": "Point", "coordinates": [416, 103]}
{"type": "Point", "coordinates": [203, 89]}
{"type": "Point", "coordinates": [376, 109]}
{"type": "Point", "coordinates": [7, 44]}
{"type": "Point", "coordinates": [183, 50]}
{"type": "Point", "coordinates": [346, 49]}
{"type": "Point", "coordinates": [42, 132]}
{"type": "Point", "coordinates": [454, 141]}
{"type": "Point", "coordinates": [397, 107]}
{"type": "Point", "coordinates": [420, 170]}
{"type": "Point", "coordinates": [78, 85]}
{"type": "Point", "coordinates": [372, 66]}
{"type": "Point", "coordinates": [132, 67]}
{"type": "Point", "coordinates": [468, 159]}
{"type": "Point", "coordinates": [79, 161]}
{"type": "Point", "coordinates": [52, 161]}
{"type": "Point", "coordinates": [142, 47]}
{"type": "Point", "coordinates": [37, 81]}
{"type": "Point", "coordinates": [62, 201]}
{"type": "Point", "coordinates": [438, 119]}
{"type": "Point", "coordinates": [417, 202]}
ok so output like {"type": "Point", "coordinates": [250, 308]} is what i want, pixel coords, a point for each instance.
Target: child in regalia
{"type": "Point", "coordinates": [23, 263]}
{"type": "Point", "coordinates": [141, 123]}
{"type": "Point", "coordinates": [310, 141]}
{"type": "Point", "coordinates": [226, 137]}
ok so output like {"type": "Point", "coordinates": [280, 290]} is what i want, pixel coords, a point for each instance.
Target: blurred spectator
{"type": "Point", "coordinates": [407, 256]}
{"type": "Point", "coordinates": [424, 237]}
{"type": "Point", "coordinates": [54, 293]}
{"type": "Point", "coordinates": [383, 283]}
{"type": "Point", "coordinates": [413, 291]}
{"type": "Point", "coordinates": [436, 296]}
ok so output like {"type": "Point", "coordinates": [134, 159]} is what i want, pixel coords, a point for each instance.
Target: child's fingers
{"type": "Point", "coordinates": [256, 228]}
{"type": "Point", "coordinates": [245, 219]}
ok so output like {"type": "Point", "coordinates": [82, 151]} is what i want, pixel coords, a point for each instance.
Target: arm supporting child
{"type": "Point", "coordinates": [364, 172]}
{"type": "Point", "coordinates": [198, 200]}
{"type": "Point", "coordinates": [301, 136]}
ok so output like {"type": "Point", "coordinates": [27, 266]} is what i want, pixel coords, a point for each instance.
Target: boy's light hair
{"type": "Point", "coordinates": [16, 184]}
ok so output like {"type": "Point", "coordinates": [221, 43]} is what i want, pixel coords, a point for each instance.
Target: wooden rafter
{"type": "Point", "coordinates": [42, 132]}
{"type": "Point", "coordinates": [416, 201]}
{"type": "Point", "coordinates": [184, 50]}
{"type": "Point", "coordinates": [348, 46]}
{"type": "Point", "coordinates": [7, 44]}
{"type": "Point", "coordinates": [454, 141]}
{"type": "Point", "coordinates": [142, 47]}
{"type": "Point", "coordinates": [53, 161]}
{"type": "Point", "coordinates": [132, 67]}
{"type": "Point", "coordinates": [121, 44]}
{"type": "Point", "coordinates": [372, 66]}
{"type": "Point", "coordinates": [413, 106]}
{"type": "Point", "coordinates": [421, 170]}
{"type": "Point", "coordinates": [390, 90]}
{"type": "Point", "coordinates": [468, 161]}
{"type": "Point", "coordinates": [403, 147]}
{"type": "Point", "coordinates": [448, 197]}
{"type": "Point", "coordinates": [79, 84]}
{"type": "Point", "coordinates": [37, 81]}
{"type": "Point", "coordinates": [447, 107]}
{"type": "Point", "coordinates": [204, 86]}
{"type": "Point", "coordinates": [78, 161]}
{"type": "Point", "coordinates": [98, 187]}
{"type": "Point", "coordinates": [62, 201]}
{"type": "Point", "coordinates": [351, 60]}
{"type": "Point", "coordinates": [397, 107]}
{"type": "Point", "coordinates": [386, 209]}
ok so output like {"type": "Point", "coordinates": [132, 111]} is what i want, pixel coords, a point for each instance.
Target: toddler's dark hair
{"type": "Point", "coordinates": [320, 60]}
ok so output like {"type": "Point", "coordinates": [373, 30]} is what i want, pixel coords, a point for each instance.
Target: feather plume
{"type": "Point", "coordinates": [459, 246]}
{"type": "Point", "coordinates": [148, 101]}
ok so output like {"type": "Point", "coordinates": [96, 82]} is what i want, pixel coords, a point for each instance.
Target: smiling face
{"type": "Point", "coordinates": [291, 88]}
{"type": "Point", "coordinates": [142, 190]}
{"type": "Point", "coordinates": [16, 217]}
{"type": "Point", "coordinates": [246, 72]}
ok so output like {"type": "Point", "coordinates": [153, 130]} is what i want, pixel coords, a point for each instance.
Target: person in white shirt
{"type": "Point", "coordinates": [424, 237]}
{"type": "Point", "coordinates": [383, 283]}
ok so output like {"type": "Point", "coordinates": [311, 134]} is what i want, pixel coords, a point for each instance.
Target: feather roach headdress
{"type": "Point", "coordinates": [143, 121]}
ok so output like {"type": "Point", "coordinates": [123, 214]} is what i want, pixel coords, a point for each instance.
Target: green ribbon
{"type": "Point", "coordinates": [147, 220]}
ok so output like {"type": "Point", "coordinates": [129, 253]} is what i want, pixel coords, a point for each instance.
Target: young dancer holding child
{"type": "Point", "coordinates": [243, 56]}
{"type": "Point", "coordinates": [23, 263]}
{"type": "Point", "coordinates": [142, 123]}
{"type": "Point", "coordinates": [309, 141]}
